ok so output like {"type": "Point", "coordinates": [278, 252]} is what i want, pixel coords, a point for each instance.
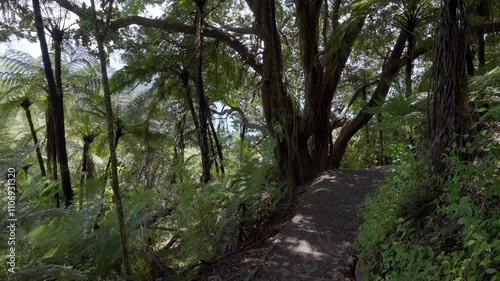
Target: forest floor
{"type": "Point", "coordinates": [317, 242]}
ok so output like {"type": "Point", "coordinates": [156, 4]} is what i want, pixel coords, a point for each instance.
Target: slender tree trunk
{"type": "Point", "coordinates": [409, 64]}
{"type": "Point", "coordinates": [243, 129]}
{"type": "Point", "coordinates": [26, 106]}
{"type": "Point", "coordinates": [51, 148]}
{"type": "Point", "coordinates": [218, 146]}
{"type": "Point", "coordinates": [88, 170]}
{"type": "Point", "coordinates": [469, 60]}
{"type": "Point", "coordinates": [198, 81]}
{"type": "Point", "coordinates": [118, 134]}
{"type": "Point", "coordinates": [204, 149]}
{"type": "Point", "coordinates": [51, 142]}
{"type": "Point", "coordinates": [390, 70]}
{"type": "Point", "coordinates": [178, 161]}
{"type": "Point", "coordinates": [450, 115]}
{"type": "Point", "coordinates": [483, 11]}
{"type": "Point", "coordinates": [326, 20]}
{"type": "Point", "coordinates": [115, 183]}
{"type": "Point", "coordinates": [481, 54]}
{"type": "Point", "coordinates": [214, 155]}
{"type": "Point", "coordinates": [57, 36]}
{"type": "Point", "coordinates": [56, 100]}
{"type": "Point", "coordinates": [380, 158]}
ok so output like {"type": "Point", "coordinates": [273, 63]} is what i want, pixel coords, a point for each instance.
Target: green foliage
{"type": "Point", "coordinates": [385, 210]}
{"type": "Point", "coordinates": [210, 215]}
{"type": "Point", "coordinates": [64, 244]}
{"type": "Point", "coordinates": [457, 237]}
{"type": "Point", "coordinates": [361, 151]}
{"type": "Point", "coordinates": [403, 124]}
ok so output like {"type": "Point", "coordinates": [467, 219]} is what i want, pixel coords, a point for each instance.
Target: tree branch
{"type": "Point", "coordinates": [390, 70]}
{"type": "Point", "coordinates": [246, 121]}
{"type": "Point", "coordinates": [209, 31]}
{"type": "Point", "coordinates": [75, 9]}
{"type": "Point", "coordinates": [340, 120]}
{"type": "Point", "coordinates": [237, 29]}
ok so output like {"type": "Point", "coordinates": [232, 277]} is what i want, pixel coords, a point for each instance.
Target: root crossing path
{"type": "Point", "coordinates": [317, 243]}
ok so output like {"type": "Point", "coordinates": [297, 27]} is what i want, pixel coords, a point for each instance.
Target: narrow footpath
{"type": "Point", "coordinates": [317, 244]}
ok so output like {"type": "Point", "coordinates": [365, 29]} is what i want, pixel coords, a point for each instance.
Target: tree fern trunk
{"type": "Point", "coordinates": [88, 169]}
{"type": "Point", "coordinates": [450, 115]}
{"type": "Point", "coordinates": [58, 108]}
{"type": "Point", "coordinates": [26, 106]}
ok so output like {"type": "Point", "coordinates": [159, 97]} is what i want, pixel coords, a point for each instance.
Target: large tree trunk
{"type": "Point", "coordinates": [55, 99]}
{"type": "Point", "coordinates": [115, 183]}
{"type": "Point", "coordinates": [322, 77]}
{"type": "Point", "coordinates": [279, 110]}
{"type": "Point", "coordinates": [297, 161]}
{"type": "Point", "coordinates": [450, 115]}
{"type": "Point", "coordinates": [316, 111]}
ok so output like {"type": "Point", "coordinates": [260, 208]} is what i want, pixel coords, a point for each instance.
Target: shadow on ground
{"type": "Point", "coordinates": [317, 243]}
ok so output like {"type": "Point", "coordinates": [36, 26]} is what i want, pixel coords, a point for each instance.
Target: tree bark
{"type": "Point", "coordinates": [115, 183]}
{"type": "Point", "coordinates": [390, 70]}
{"type": "Point", "coordinates": [321, 78]}
{"type": "Point", "coordinates": [202, 102]}
{"type": "Point", "coordinates": [218, 146]}
{"type": "Point", "coordinates": [204, 150]}
{"type": "Point", "coordinates": [57, 106]}
{"type": "Point", "coordinates": [450, 115]}
{"type": "Point", "coordinates": [26, 106]}
{"type": "Point", "coordinates": [281, 117]}
{"type": "Point", "coordinates": [380, 154]}
{"type": "Point", "coordinates": [51, 147]}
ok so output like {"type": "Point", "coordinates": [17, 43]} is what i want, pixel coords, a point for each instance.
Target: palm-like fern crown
{"type": "Point", "coordinates": [21, 75]}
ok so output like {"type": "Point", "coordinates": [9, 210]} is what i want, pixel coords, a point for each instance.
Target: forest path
{"type": "Point", "coordinates": [317, 243]}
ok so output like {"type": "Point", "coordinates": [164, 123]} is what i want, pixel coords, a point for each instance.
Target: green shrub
{"type": "Point", "coordinates": [209, 215]}
{"type": "Point", "coordinates": [458, 239]}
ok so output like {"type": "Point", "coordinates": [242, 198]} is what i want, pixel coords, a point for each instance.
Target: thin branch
{"type": "Point", "coordinates": [262, 261]}
{"type": "Point", "coordinates": [236, 29]}
{"type": "Point", "coordinates": [340, 120]}
{"type": "Point", "coordinates": [232, 109]}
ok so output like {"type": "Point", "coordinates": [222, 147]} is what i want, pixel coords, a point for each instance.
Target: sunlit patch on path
{"type": "Point", "coordinates": [317, 243]}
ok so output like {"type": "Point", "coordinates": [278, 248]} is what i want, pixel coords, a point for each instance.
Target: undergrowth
{"type": "Point", "coordinates": [202, 222]}
{"type": "Point", "coordinates": [422, 227]}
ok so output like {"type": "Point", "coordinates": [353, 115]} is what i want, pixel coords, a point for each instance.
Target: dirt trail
{"type": "Point", "coordinates": [317, 243]}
